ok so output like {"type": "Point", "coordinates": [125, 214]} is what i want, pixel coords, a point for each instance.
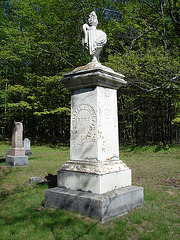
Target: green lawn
{"type": "Point", "coordinates": [22, 215]}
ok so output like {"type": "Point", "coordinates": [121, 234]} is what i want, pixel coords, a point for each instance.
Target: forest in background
{"type": "Point", "coordinates": [40, 40]}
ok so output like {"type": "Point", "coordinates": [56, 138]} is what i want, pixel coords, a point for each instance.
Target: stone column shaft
{"type": "Point", "coordinates": [94, 163]}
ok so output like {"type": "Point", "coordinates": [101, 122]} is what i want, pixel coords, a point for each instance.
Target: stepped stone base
{"type": "Point", "coordinates": [16, 160]}
{"type": "Point", "coordinates": [16, 151]}
{"type": "Point", "coordinates": [94, 183]}
{"type": "Point", "coordinates": [101, 206]}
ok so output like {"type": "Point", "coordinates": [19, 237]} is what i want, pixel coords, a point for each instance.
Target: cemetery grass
{"type": "Point", "coordinates": [22, 215]}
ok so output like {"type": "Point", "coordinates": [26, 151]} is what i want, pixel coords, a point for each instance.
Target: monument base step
{"type": "Point", "coordinates": [95, 183]}
{"type": "Point", "coordinates": [16, 160]}
{"type": "Point", "coordinates": [28, 152]}
{"type": "Point", "coordinates": [101, 206]}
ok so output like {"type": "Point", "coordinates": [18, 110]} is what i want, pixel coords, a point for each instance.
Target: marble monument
{"type": "Point", "coordinates": [94, 181]}
{"type": "Point", "coordinates": [16, 154]}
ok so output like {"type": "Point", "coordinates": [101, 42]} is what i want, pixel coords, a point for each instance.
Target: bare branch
{"type": "Point", "coordinates": [162, 33]}
{"type": "Point", "coordinates": [175, 79]}
{"type": "Point", "coordinates": [152, 8]}
{"type": "Point", "coordinates": [145, 89]}
{"type": "Point", "coordinates": [139, 83]}
{"type": "Point", "coordinates": [67, 62]}
{"type": "Point", "coordinates": [44, 50]}
{"type": "Point", "coordinates": [166, 85]}
{"type": "Point", "coordinates": [172, 17]}
{"type": "Point", "coordinates": [138, 37]}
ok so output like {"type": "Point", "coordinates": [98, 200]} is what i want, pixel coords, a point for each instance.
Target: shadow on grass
{"type": "Point", "coordinates": [46, 220]}
{"type": "Point", "coordinates": [2, 160]}
{"type": "Point", "coordinates": [4, 193]}
{"type": "Point", "coordinates": [88, 230]}
{"type": "Point", "coordinates": [51, 181]}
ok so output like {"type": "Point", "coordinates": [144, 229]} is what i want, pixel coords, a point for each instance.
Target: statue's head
{"type": "Point", "coordinates": [93, 21]}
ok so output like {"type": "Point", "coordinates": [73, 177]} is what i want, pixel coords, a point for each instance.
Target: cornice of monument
{"type": "Point", "coordinates": [93, 74]}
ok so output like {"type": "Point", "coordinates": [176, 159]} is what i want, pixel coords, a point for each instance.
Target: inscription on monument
{"type": "Point", "coordinates": [83, 123]}
{"type": "Point", "coordinates": [107, 93]}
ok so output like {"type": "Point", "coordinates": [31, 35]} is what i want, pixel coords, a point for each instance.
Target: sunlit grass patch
{"type": "Point", "coordinates": [22, 215]}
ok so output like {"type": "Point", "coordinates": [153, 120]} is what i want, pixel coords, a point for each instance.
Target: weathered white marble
{"type": "Point", "coordinates": [95, 183]}
{"type": "Point", "coordinates": [93, 39]}
{"type": "Point", "coordinates": [27, 144]}
{"type": "Point", "coordinates": [93, 74]}
{"type": "Point", "coordinates": [94, 163]}
{"type": "Point", "coordinates": [94, 145]}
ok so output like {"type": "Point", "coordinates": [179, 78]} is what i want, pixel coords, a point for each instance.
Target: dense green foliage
{"type": "Point", "coordinates": [40, 40]}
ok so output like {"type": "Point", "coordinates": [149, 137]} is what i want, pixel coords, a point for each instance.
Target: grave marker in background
{"type": "Point", "coordinates": [27, 146]}
{"type": "Point", "coordinates": [16, 155]}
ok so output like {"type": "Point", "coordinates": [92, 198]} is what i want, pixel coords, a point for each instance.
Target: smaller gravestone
{"type": "Point", "coordinates": [16, 155]}
{"type": "Point", "coordinates": [33, 180]}
{"type": "Point", "coordinates": [27, 146]}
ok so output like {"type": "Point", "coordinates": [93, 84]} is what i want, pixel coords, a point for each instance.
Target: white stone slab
{"type": "Point", "coordinates": [27, 144]}
{"type": "Point", "coordinates": [94, 127]}
{"type": "Point", "coordinates": [94, 183]}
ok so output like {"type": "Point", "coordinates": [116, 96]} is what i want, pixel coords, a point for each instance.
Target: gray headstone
{"type": "Point", "coordinates": [33, 180]}
{"type": "Point", "coordinates": [27, 144]}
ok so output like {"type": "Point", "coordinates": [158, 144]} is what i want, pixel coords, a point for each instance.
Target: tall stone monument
{"type": "Point", "coordinates": [16, 154]}
{"type": "Point", "coordinates": [94, 182]}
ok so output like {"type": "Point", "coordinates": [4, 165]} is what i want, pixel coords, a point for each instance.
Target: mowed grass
{"type": "Point", "coordinates": [22, 215]}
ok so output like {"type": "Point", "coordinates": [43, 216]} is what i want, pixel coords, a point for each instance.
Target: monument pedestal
{"type": "Point", "coordinates": [16, 161]}
{"type": "Point", "coordinates": [16, 152]}
{"type": "Point", "coordinates": [100, 206]}
{"type": "Point", "coordinates": [94, 181]}
{"type": "Point", "coordinates": [16, 157]}
{"type": "Point", "coordinates": [28, 152]}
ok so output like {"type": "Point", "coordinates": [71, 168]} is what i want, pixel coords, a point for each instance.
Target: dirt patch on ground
{"type": "Point", "coordinates": [172, 182]}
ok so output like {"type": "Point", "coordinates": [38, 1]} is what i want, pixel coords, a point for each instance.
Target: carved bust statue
{"type": "Point", "coordinates": [93, 39]}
